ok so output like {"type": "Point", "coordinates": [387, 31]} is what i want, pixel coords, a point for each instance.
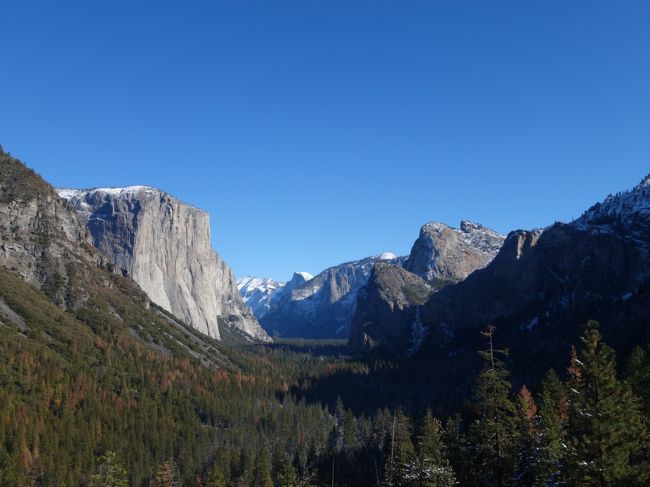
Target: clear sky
{"type": "Point", "coordinates": [316, 132]}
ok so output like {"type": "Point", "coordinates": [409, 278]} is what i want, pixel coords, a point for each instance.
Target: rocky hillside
{"type": "Point", "coordinates": [387, 312]}
{"type": "Point", "coordinates": [544, 285]}
{"type": "Point", "coordinates": [43, 244]}
{"type": "Point", "coordinates": [323, 306]}
{"type": "Point", "coordinates": [446, 254]}
{"type": "Point", "coordinates": [259, 293]}
{"type": "Point", "coordinates": [164, 245]}
{"type": "Point", "coordinates": [40, 238]}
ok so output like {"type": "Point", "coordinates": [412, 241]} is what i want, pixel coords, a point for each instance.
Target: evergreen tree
{"type": "Point", "coordinates": [286, 475]}
{"type": "Point", "coordinates": [166, 475]}
{"type": "Point", "coordinates": [432, 469]}
{"type": "Point", "coordinates": [637, 375]}
{"type": "Point", "coordinates": [109, 472]}
{"type": "Point", "coordinates": [605, 426]}
{"type": "Point", "coordinates": [527, 439]}
{"type": "Point", "coordinates": [552, 419]}
{"type": "Point", "coordinates": [216, 477]}
{"type": "Point", "coordinates": [458, 448]}
{"type": "Point", "coordinates": [492, 435]}
{"type": "Point", "coordinates": [262, 476]}
{"type": "Point", "coordinates": [401, 459]}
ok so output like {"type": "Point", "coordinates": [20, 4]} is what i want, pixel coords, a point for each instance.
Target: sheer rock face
{"type": "Point", "coordinates": [444, 253]}
{"type": "Point", "coordinates": [387, 312]}
{"type": "Point", "coordinates": [164, 245]}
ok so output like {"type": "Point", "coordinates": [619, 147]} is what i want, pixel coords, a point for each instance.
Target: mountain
{"type": "Point", "coordinates": [96, 378]}
{"type": "Point", "coordinates": [323, 306]}
{"type": "Point", "coordinates": [446, 254]}
{"type": "Point", "coordinates": [542, 287]}
{"type": "Point", "coordinates": [258, 292]}
{"type": "Point", "coordinates": [387, 313]}
{"type": "Point", "coordinates": [164, 245]}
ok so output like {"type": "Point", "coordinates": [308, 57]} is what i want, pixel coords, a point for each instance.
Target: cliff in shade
{"type": "Point", "coordinates": [539, 291]}
{"type": "Point", "coordinates": [387, 314]}
{"type": "Point", "coordinates": [164, 245]}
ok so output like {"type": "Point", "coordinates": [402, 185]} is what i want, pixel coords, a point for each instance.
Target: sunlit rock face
{"type": "Point", "coordinates": [164, 245]}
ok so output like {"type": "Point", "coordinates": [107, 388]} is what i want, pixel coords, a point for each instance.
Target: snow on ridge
{"type": "Point", "coordinates": [386, 256]}
{"type": "Point", "coordinates": [305, 275]}
{"type": "Point", "coordinates": [69, 193]}
{"type": "Point", "coordinates": [628, 208]}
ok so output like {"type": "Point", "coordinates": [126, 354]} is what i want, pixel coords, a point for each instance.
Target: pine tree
{"type": "Point", "coordinates": [637, 374]}
{"type": "Point", "coordinates": [492, 435]}
{"type": "Point", "coordinates": [458, 448]}
{"type": "Point", "coordinates": [262, 475]}
{"type": "Point", "coordinates": [400, 463]}
{"type": "Point", "coordinates": [216, 477]}
{"type": "Point", "coordinates": [109, 472]}
{"type": "Point", "coordinates": [432, 469]}
{"type": "Point", "coordinates": [551, 431]}
{"type": "Point", "coordinates": [166, 475]}
{"type": "Point", "coordinates": [286, 475]}
{"type": "Point", "coordinates": [605, 426]}
{"type": "Point", "coordinates": [527, 439]}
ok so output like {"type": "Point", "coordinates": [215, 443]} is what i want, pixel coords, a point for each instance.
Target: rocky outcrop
{"type": "Point", "coordinates": [545, 284]}
{"type": "Point", "coordinates": [259, 293]}
{"type": "Point", "coordinates": [40, 237]}
{"type": "Point", "coordinates": [445, 254]}
{"type": "Point", "coordinates": [387, 314]}
{"type": "Point", "coordinates": [164, 245]}
{"type": "Point", "coordinates": [323, 306]}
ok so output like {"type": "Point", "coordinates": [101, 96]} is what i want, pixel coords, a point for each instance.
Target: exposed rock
{"type": "Point", "coordinates": [321, 307]}
{"type": "Point", "coordinates": [164, 245]}
{"type": "Point", "coordinates": [545, 284]}
{"type": "Point", "coordinates": [446, 254]}
{"type": "Point", "coordinates": [387, 314]}
{"type": "Point", "coordinates": [259, 293]}
{"type": "Point", "coordinates": [39, 234]}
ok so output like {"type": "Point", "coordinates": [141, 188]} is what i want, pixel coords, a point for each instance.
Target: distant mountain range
{"type": "Point", "coordinates": [539, 290]}
{"type": "Point", "coordinates": [324, 307]}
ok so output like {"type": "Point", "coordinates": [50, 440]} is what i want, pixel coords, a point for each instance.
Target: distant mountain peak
{"type": "Point", "coordinates": [386, 256]}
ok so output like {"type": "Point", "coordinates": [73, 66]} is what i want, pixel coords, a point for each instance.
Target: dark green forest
{"type": "Point", "coordinates": [83, 402]}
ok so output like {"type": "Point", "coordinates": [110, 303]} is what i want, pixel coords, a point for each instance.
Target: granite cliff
{"type": "Point", "coordinates": [164, 245]}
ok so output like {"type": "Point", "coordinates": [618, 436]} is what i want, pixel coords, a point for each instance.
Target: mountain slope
{"type": "Point", "coordinates": [259, 293]}
{"type": "Point", "coordinates": [544, 285]}
{"type": "Point", "coordinates": [164, 245]}
{"type": "Point", "coordinates": [323, 306]}
{"type": "Point", "coordinates": [387, 311]}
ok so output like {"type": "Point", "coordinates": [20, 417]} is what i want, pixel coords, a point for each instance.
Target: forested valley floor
{"type": "Point", "coordinates": [83, 403]}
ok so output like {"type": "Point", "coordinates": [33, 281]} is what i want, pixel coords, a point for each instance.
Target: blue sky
{"type": "Point", "coordinates": [316, 132]}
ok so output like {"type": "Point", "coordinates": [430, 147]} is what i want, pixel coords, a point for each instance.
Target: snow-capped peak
{"type": "Point", "coordinates": [68, 193]}
{"type": "Point", "coordinates": [305, 275]}
{"type": "Point", "coordinates": [386, 256]}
